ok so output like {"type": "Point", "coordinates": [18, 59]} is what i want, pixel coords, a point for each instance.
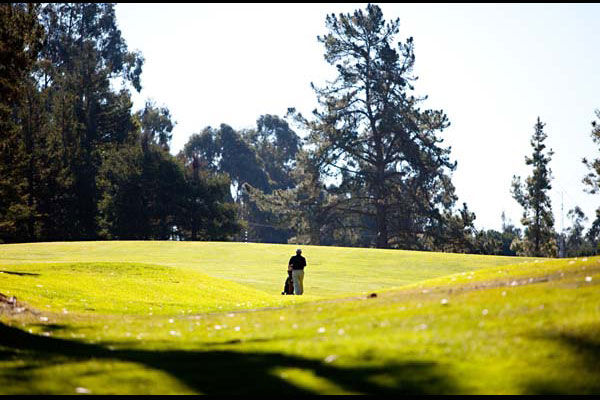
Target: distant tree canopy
{"type": "Point", "coordinates": [262, 158]}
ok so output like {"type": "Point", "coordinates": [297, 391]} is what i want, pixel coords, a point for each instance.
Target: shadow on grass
{"type": "Point", "coordinates": [19, 273]}
{"type": "Point", "coordinates": [51, 327]}
{"type": "Point", "coordinates": [229, 372]}
{"type": "Point", "coordinates": [587, 348]}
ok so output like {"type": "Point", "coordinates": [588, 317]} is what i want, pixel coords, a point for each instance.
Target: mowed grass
{"type": "Point", "coordinates": [474, 325]}
{"type": "Point", "coordinates": [330, 271]}
{"type": "Point", "coordinates": [129, 288]}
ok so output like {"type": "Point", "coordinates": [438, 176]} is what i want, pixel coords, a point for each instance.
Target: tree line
{"type": "Point", "coordinates": [78, 163]}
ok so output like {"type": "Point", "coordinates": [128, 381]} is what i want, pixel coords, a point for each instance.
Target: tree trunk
{"type": "Point", "coordinates": [382, 232]}
{"type": "Point", "coordinates": [315, 234]}
{"type": "Point", "coordinates": [380, 193]}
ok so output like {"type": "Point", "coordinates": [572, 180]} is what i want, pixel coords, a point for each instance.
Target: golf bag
{"type": "Point", "coordinates": [288, 286]}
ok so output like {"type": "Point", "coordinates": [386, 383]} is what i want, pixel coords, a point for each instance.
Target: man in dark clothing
{"type": "Point", "coordinates": [297, 264]}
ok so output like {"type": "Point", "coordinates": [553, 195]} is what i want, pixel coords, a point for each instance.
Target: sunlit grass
{"type": "Point", "coordinates": [330, 270]}
{"type": "Point", "coordinates": [129, 288]}
{"type": "Point", "coordinates": [491, 328]}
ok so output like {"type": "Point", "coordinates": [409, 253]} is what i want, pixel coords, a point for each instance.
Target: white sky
{"type": "Point", "coordinates": [493, 68]}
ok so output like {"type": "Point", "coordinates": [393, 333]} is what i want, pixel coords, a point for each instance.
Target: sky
{"type": "Point", "coordinates": [493, 68]}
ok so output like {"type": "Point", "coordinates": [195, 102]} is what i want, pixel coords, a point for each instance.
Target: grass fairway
{"type": "Point", "coordinates": [330, 271]}
{"type": "Point", "coordinates": [168, 317]}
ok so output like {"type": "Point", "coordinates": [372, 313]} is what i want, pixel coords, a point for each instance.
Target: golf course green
{"type": "Point", "coordinates": [158, 317]}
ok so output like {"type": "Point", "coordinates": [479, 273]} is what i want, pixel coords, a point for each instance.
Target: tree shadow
{"type": "Point", "coordinates": [586, 346]}
{"type": "Point", "coordinates": [19, 273]}
{"type": "Point", "coordinates": [51, 327]}
{"type": "Point", "coordinates": [232, 372]}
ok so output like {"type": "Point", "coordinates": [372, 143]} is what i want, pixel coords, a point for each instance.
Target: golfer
{"type": "Point", "coordinates": [297, 264]}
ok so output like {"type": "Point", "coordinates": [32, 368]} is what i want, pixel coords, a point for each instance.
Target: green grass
{"type": "Point", "coordinates": [441, 323]}
{"type": "Point", "coordinates": [330, 270]}
{"type": "Point", "coordinates": [129, 288]}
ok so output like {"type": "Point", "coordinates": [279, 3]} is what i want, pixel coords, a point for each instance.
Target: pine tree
{"type": "Point", "coordinates": [532, 195]}
{"type": "Point", "coordinates": [141, 184]}
{"type": "Point", "coordinates": [206, 211]}
{"type": "Point", "coordinates": [82, 59]}
{"type": "Point", "coordinates": [592, 179]}
{"type": "Point", "coordinates": [592, 182]}
{"type": "Point", "coordinates": [20, 42]}
{"type": "Point", "coordinates": [371, 133]}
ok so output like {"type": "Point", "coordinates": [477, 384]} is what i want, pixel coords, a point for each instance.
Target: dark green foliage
{"type": "Point", "coordinates": [205, 212]}
{"type": "Point", "coordinates": [67, 113]}
{"type": "Point", "coordinates": [75, 162]}
{"type": "Point", "coordinates": [141, 193]}
{"type": "Point", "coordinates": [149, 194]}
{"type": "Point", "coordinates": [277, 145]}
{"type": "Point", "coordinates": [156, 125]}
{"type": "Point", "coordinates": [122, 214]}
{"type": "Point", "coordinates": [460, 236]}
{"type": "Point", "coordinates": [577, 244]}
{"type": "Point", "coordinates": [84, 51]}
{"type": "Point", "coordinates": [593, 234]}
{"type": "Point", "coordinates": [456, 232]}
{"type": "Point", "coordinates": [20, 42]}
{"type": "Point", "coordinates": [240, 160]}
{"type": "Point", "coordinates": [510, 233]}
{"type": "Point", "coordinates": [532, 195]}
{"type": "Point", "coordinates": [225, 150]}
{"type": "Point", "coordinates": [307, 208]}
{"type": "Point", "coordinates": [262, 158]}
{"type": "Point", "coordinates": [489, 242]}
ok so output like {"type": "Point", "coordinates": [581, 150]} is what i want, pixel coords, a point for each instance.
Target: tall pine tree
{"type": "Point", "coordinates": [371, 133]}
{"type": "Point", "coordinates": [20, 42]}
{"type": "Point", "coordinates": [592, 181]}
{"type": "Point", "coordinates": [84, 56]}
{"type": "Point", "coordinates": [538, 219]}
